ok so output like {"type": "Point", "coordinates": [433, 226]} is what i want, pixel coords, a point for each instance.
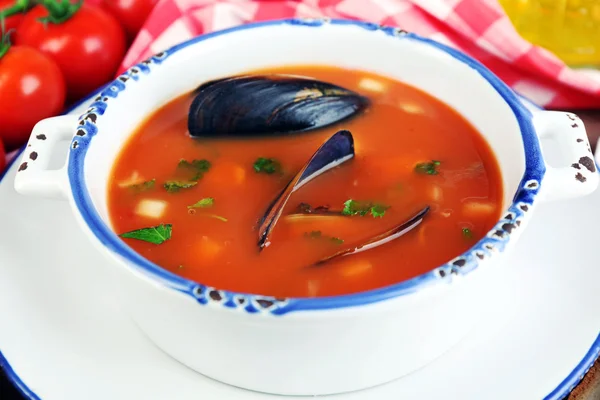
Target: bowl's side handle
{"type": "Point", "coordinates": [33, 177]}
{"type": "Point", "coordinates": [579, 176]}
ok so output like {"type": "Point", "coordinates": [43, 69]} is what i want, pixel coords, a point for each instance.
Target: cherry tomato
{"type": "Point", "coordinates": [131, 14]}
{"type": "Point", "coordinates": [13, 12]}
{"type": "Point", "coordinates": [86, 42]}
{"type": "Point", "coordinates": [31, 88]}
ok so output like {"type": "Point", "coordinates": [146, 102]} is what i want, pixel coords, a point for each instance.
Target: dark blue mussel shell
{"type": "Point", "coordinates": [336, 150]}
{"type": "Point", "coordinates": [269, 105]}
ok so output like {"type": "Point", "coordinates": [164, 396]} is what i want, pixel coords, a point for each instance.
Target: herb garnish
{"type": "Point", "coordinates": [467, 234]}
{"type": "Point", "coordinates": [142, 187]}
{"type": "Point", "coordinates": [176, 186]}
{"type": "Point", "coordinates": [216, 217]}
{"type": "Point", "coordinates": [200, 167]}
{"type": "Point", "coordinates": [336, 240]}
{"type": "Point", "coordinates": [319, 235]}
{"type": "Point", "coordinates": [362, 208]}
{"type": "Point", "coordinates": [429, 168]}
{"type": "Point", "coordinates": [267, 165]}
{"type": "Point", "coordinates": [204, 203]}
{"type": "Point", "coordinates": [156, 234]}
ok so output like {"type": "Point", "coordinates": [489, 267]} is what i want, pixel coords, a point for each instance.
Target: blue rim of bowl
{"type": "Point", "coordinates": [494, 242]}
{"type": "Point", "coordinates": [560, 392]}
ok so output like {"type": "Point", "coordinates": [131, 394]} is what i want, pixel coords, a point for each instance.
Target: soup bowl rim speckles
{"type": "Point", "coordinates": [494, 242]}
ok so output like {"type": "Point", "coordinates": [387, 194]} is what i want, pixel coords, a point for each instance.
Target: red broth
{"type": "Point", "coordinates": [217, 245]}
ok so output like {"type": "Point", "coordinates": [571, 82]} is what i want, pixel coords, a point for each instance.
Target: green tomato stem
{"type": "Point", "coordinates": [59, 11]}
{"type": "Point", "coordinates": [20, 6]}
{"type": "Point", "coordinates": [4, 40]}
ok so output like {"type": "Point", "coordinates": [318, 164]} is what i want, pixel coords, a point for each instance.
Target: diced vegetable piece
{"type": "Point", "coordinates": [226, 173]}
{"type": "Point", "coordinates": [412, 108]}
{"type": "Point", "coordinates": [435, 193]}
{"type": "Point", "coordinates": [475, 208]}
{"type": "Point", "coordinates": [134, 179]}
{"type": "Point", "coordinates": [356, 267]}
{"type": "Point", "coordinates": [312, 287]}
{"type": "Point", "coordinates": [209, 249]}
{"type": "Point", "coordinates": [372, 85]}
{"type": "Point", "coordinates": [446, 213]}
{"type": "Point", "coordinates": [151, 208]}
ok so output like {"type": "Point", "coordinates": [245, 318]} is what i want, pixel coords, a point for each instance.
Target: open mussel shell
{"type": "Point", "coordinates": [337, 149]}
{"type": "Point", "coordinates": [380, 239]}
{"type": "Point", "coordinates": [269, 105]}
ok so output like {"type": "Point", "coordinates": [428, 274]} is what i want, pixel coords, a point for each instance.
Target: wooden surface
{"type": "Point", "coordinates": [588, 389]}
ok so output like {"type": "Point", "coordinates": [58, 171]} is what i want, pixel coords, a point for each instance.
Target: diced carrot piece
{"type": "Point", "coordinates": [356, 267]}
{"type": "Point", "coordinates": [226, 173]}
{"type": "Point", "coordinates": [151, 208]}
{"type": "Point", "coordinates": [209, 248]}
{"type": "Point", "coordinates": [475, 208]}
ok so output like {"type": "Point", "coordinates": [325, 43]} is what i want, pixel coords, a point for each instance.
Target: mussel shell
{"type": "Point", "coordinates": [269, 105]}
{"type": "Point", "coordinates": [336, 150]}
{"type": "Point", "coordinates": [379, 239]}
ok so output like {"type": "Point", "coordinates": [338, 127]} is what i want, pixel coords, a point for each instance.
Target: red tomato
{"type": "Point", "coordinates": [2, 157]}
{"type": "Point", "coordinates": [88, 46]}
{"type": "Point", "coordinates": [15, 9]}
{"type": "Point", "coordinates": [31, 88]}
{"type": "Point", "coordinates": [131, 13]}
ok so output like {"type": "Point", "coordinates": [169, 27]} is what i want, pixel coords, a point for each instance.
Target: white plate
{"type": "Point", "coordinates": [66, 338]}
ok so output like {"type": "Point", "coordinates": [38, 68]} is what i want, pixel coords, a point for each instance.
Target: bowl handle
{"type": "Point", "coordinates": [579, 176]}
{"type": "Point", "coordinates": [33, 177]}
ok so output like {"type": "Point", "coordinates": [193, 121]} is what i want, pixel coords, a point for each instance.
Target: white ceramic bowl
{"type": "Point", "coordinates": [319, 345]}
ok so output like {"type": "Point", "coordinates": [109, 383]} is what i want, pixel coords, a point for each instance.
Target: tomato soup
{"type": "Point", "coordinates": [193, 205]}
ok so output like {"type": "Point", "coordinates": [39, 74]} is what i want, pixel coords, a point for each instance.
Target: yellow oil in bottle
{"type": "Point", "coordinates": [568, 28]}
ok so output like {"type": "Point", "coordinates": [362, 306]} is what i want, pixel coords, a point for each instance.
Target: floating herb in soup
{"type": "Point", "coordinates": [275, 184]}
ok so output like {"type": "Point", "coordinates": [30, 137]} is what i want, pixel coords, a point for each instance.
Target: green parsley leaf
{"type": "Point", "coordinates": [313, 234]}
{"type": "Point", "coordinates": [204, 203]}
{"type": "Point", "coordinates": [142, 187]}
{"type": "Point", "coordinates": [319, 235]}
{"type": "Point", "coordinates": [378, 210]}
{"type": "Point", "coordinates": [362, 208]}
{"type": "Point", "coordinates": [353, 207]}
{"type": "Point", "coordinates": [429, 168]}
{"type": "Point", "coordinates": [337, 240]}
{"type": "Point", "coordinates": [176, 186]}
{"type": "Point", "coordinates": [199, 167]}
{"type": "Point", "coordinates": [156, 234]}
{"type": "Point", "coordinates": [467, 234]}
{"type": "Point", "coordinates": [267, 165]}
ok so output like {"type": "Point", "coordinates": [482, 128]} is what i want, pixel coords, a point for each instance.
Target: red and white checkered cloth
{"type": "Point", "coordinates": [477, 27]}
